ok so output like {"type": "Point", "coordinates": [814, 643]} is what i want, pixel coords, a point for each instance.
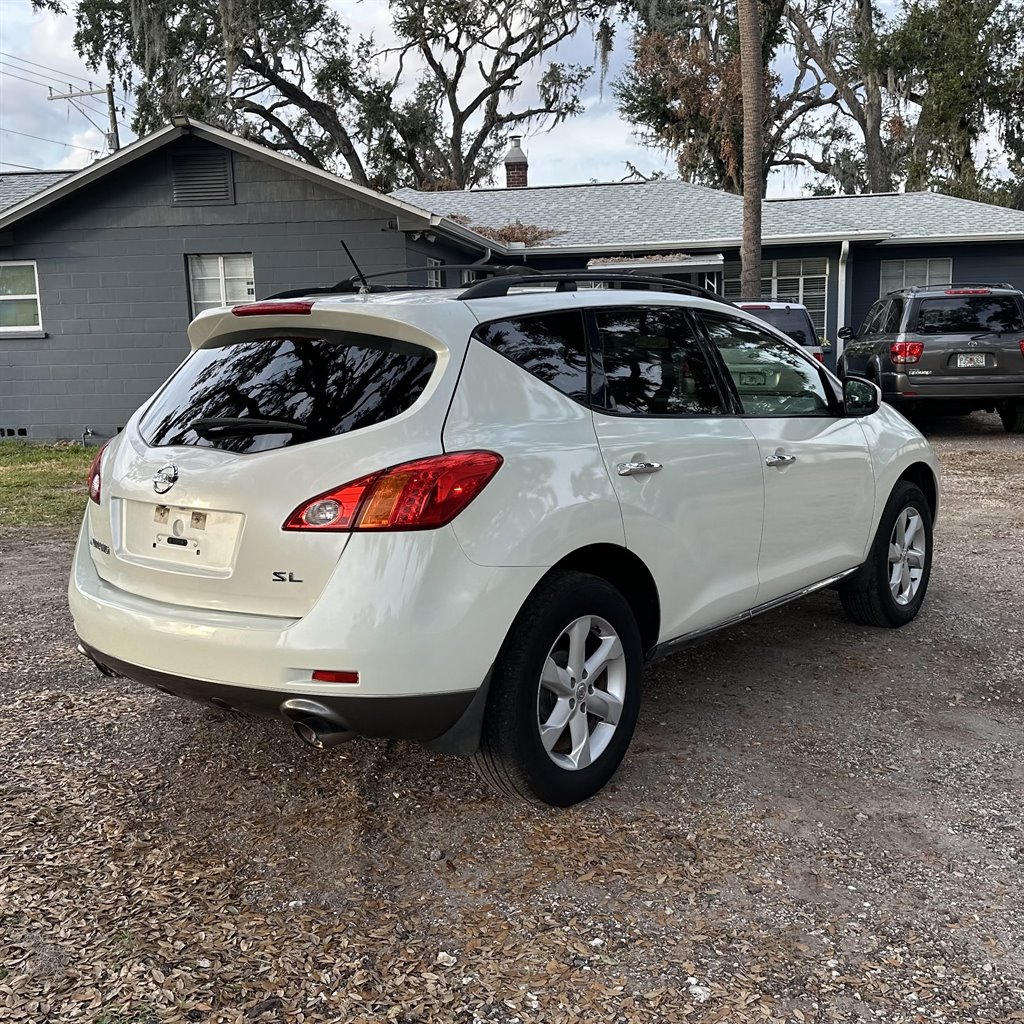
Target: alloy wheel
{"type": "Point", "coordinates": [581, 693]}
{"type": "Point", "coordinates": [907, 548]}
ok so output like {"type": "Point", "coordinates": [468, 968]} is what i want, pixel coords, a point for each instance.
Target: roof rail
{"type": "Point", "coordinates": [952, 284]}
{"type": "Point", "coordinates": [354, 284]}
{"type": "Point", "coordinates": [568, 280]}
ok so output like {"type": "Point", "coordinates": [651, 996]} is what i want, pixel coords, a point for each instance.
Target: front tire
{"type": "Point", "coordinates": [565, 693]}
{"type": "Point", "coordinates": [889, 588]}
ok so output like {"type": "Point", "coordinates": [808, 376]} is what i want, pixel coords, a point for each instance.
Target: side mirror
{"type": "Point", "coordinates": [860, 397]}
{"type": "Point", "coordinates": [847, 332]}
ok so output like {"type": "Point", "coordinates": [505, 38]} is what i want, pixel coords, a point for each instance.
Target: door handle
{"type": "Point", "coordinates": [780, 459]}
{"type": "Point", "coordinates": [637, 468]}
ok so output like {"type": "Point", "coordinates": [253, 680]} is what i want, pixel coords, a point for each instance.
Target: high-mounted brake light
{"type": "Point", "coordinates": [755, 307]}
{"type": "Point", "coordinates": [420, 495]}
{"type": "Point", "coordinates": [968, 291]}
{"type": "Point", "coordinates": [95, 472]}
{"type": "Point", "coordinates": [906, 351]}
{"type": "Point", "coordinates": [273, 309]}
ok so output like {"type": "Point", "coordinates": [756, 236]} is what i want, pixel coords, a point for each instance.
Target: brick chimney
{"type": "Point", "coordinates": [516, 165]}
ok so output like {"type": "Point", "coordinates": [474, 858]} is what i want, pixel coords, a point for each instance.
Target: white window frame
{"type": "Point", "coordinates": [770, 284]}
{"type": "Point", "coordinates": [221, 277]}
{"type": "Point", "coordinates": [435, 276]}
{"type": "Point", "coordinates": [24, 328]}
{"type": "Point", "coordinates": [931, 278]}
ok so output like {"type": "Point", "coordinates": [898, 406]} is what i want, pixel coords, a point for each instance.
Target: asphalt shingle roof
{"type": "Point", "coordinates": [16, 187]}
{"type": "Point", "coordinates": [676, 212]}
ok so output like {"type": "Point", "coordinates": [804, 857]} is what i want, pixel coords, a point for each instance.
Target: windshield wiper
{"type": "Point", "coordinates": [232, 426]}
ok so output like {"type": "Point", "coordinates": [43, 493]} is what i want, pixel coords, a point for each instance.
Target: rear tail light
{"type": "Point", "coordinates": [906, 351]}
{"type": "Point", "coordinates": [273, 309]}
{"type": "Point", "coordinates": [1022, 346]}
{"type": "Point", "coordinates": [820, 356]}
{"type": "Point", "coordinates": [95, 472]}
{"type": "Point", "coordinates": [420, 495]}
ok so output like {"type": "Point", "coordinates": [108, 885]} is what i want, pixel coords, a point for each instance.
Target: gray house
{"type": "Point", "coordinates": [101, 270]}
{"type": "Point", "coordinates": [835, 254]}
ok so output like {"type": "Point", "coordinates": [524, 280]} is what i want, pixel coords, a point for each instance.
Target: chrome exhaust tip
{"type": "Point", "coordinates": [101, 668]}
{"type": "Point", "coordinates": [321, 734]}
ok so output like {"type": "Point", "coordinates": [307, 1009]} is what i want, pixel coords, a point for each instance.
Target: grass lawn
{"type": "Point", "coordinates": [42, 484]}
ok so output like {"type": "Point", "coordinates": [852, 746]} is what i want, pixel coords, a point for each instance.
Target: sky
{"type": "Point", "coordinates": [36, 53]}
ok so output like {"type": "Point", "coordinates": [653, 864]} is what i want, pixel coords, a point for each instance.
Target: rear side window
{"type": "Point", "coordinates": [654, 365]}
{"type": "Point", "coordinates": [280, 391]}
{"type": "Point", "coordinates": [966, 314]}
{"type": "Point", "coordinates": [552, 347]}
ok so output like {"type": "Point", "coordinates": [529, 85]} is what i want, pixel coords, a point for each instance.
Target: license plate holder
{"type": "Point", "coordinates": [202, 539]}
{"type": "Point", "coordinates": [970, 360]}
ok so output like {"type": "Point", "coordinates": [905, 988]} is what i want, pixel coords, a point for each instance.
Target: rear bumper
{"type": "Point", "coordinates": [901, 388]}
{"type": "Point", "coordinates": [422, 717]}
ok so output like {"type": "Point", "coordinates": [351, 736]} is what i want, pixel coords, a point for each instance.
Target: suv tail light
{"type": "Point", "coordinates": [1022, 346]}
{"type": "Point", "coordinates": [95, 471]}
{"type": "Point", "coordinates": [820, 356]}
{"type": "Point", "coordinates": [906, 351]}
{"type": "Point", "coordinates": [420, 495]}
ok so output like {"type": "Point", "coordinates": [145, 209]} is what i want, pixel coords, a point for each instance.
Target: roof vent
{"type": "Point", "coordinates": [201, 176]}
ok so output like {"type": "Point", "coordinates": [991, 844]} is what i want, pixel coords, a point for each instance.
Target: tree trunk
{"type": "Point", "coordinates": [752, 85]}
{"type": "Point", "coordinates": [875, 161]}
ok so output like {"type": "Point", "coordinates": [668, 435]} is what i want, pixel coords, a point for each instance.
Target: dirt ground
{"type": "Point", "coordinates": [816, 822]}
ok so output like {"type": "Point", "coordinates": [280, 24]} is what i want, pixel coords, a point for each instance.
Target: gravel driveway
{"type": "Point", "coordinates": [816, 822]}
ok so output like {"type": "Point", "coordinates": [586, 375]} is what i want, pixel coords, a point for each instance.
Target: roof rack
{"type": "Point", "coordinates": [951, 284]}
{"type": "Point", "coordinates": [354, 284]}
{"type": "Point", "coordinates": [568, 281]}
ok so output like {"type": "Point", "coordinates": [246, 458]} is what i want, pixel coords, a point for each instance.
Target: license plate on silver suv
{"type": "Point", "coordinates": [967, 360]}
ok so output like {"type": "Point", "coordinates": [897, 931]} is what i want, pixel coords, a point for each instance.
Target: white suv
{"type": "Point", "coordinates": [469, 518]}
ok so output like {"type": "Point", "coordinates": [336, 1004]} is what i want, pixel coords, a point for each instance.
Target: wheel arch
{"type": "Point", "coordinates": [921, 474]}
{"type": "Point", "coordinates": [628, 573]}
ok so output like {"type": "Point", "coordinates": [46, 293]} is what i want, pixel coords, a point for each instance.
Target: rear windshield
{"type": "Point", "coordinates": [794, 322]}
{"type": "Point", "coordinates": [274, 392]}
{"type": "Point", "coordinates": [969, 314]}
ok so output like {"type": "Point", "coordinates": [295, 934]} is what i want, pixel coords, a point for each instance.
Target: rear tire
{"type": "Point", "coordinates": [1012, 415]}
{"type": "Point", "coordinates": [575, 643]}
{"type": "Point", "coordinates": [888, 590]}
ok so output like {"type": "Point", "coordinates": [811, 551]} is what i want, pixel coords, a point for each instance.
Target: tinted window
{"type": "Point", "coordinates": [874, 318]}
{"type": "Point", "coordinates": [771, 377]}
{"type": "Point", "coordinates": [308, 387]}
{"type": "Point", "coordinates": [893, 317]}
{"type": "Point", "coordinates": [796, 322]}
{"type": "Point", "coordinates": [551, 347]}
{"type": "Point", "coordinates": [969, 314]}
{"type": "Point", "coordinates": [654, 365]}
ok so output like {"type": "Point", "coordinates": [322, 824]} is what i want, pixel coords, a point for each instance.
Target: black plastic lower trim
{"type": "Point", "coordinates": [422, 717]}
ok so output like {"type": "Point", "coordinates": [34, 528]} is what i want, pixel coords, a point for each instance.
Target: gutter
{"type": "Point", "coordinates": [844, 256]}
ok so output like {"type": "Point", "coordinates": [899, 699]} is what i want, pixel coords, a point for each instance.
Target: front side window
{"type": "Point", "coordinates": [771, 377]}
{"type": "Point", "coordinates": [873, 322]}
{"type": "Point", "coordinates": [19, 297]}
{"type": "Point", "coordinates": [654, 364]}
{"type": "Point", "coordinates": [220, 280]}
{"type": "Point", "coordinates": [969, 314]}
{"type": "Point", "coordinates": [274, 392]}
{"type": "Point", "coordinates": [552, 347]}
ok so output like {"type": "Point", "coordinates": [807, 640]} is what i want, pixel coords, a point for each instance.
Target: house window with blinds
{"type": "Point", "coordinates": [803, 280]}
{"type": "Point", "coordinates": [908, 273]}
{"type": "Point", "coordinates": [220, 280]}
